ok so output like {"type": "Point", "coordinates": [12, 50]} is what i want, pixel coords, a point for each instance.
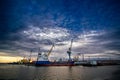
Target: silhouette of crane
{"type": "Point", "coordinates": [69, 51]}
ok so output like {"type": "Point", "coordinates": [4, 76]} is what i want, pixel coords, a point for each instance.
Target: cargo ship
{"type": "Point", "coordinates": [43, 58]}
{"type": "Point", "coordinates": [48, 63]}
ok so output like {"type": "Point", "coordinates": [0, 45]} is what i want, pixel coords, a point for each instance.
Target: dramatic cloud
{"type": "Point", "coordinates": [46, 33]}
{"type": "Point", "coordinates": [27, 25]}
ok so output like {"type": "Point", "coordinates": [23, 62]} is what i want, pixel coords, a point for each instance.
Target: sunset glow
{"type": "Point", "coordinates": [7, 59]}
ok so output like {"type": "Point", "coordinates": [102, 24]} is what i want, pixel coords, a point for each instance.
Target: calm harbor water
{"type": "Point", "coordinates": [22, 72]}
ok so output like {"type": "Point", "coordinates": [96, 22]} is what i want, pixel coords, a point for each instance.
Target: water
{"type": "Point", "coordinates": [21, 72]}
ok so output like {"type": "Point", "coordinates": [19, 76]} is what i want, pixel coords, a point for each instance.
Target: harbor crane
{"type": "Point", "coordinates": [69, 51]}
{"type": "Point", "coordinates": [45, 55]}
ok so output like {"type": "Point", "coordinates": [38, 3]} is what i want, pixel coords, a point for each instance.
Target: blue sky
{"type": "Point", "coordinates": [94, 25]}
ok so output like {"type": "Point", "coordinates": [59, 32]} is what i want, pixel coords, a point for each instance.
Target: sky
{"type": "Point", "coordinates": [25, 25]}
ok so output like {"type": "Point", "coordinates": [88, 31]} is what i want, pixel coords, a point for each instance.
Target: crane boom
{"type": "Point", "coordinates": [50, 50]}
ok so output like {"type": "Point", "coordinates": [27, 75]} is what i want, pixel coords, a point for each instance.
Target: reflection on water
{"type": "Point", "coordinates": [21, 72]}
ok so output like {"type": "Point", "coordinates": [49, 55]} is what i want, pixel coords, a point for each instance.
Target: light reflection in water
{"type": "Point", "coordinates": [21, 72]}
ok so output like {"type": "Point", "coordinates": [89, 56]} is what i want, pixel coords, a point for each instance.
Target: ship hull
{"type": "Point", "coordinates": [47, 63]}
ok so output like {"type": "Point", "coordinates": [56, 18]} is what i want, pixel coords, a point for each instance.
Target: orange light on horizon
{"type": "Point", "coordinates": [7, 59]}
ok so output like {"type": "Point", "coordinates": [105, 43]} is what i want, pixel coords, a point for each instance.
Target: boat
{"type": "Point", "coordinates": [43, 59]}
{"type": "Point", "coordinates": [90, 63]}
{"type": "Point", "coordinates": [48, 63]}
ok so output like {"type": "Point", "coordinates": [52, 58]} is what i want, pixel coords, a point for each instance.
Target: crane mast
{"type": "Point", "coordinates": [69, 50]}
